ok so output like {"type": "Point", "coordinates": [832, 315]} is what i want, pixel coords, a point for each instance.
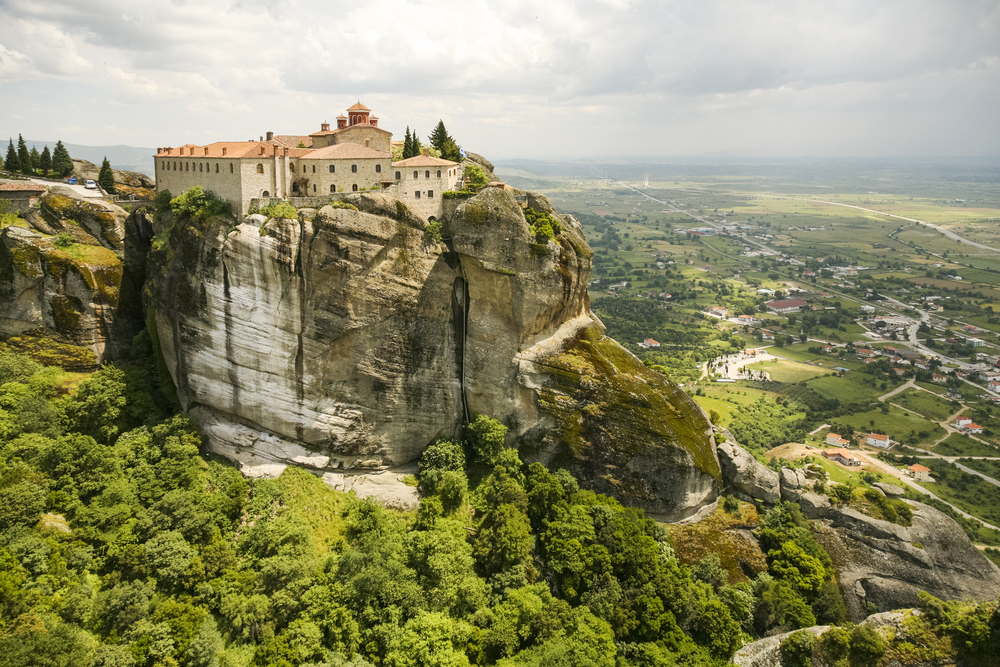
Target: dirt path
{"type": "Point", "coordinates": [898, 390]}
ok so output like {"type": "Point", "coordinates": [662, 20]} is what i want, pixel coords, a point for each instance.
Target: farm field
{"type": "Point", "coordinates": [929, 405]}
{"type": "Point", "coordinates": [958, 444]}
{"type": "Point", "coordinates": [782, 370]}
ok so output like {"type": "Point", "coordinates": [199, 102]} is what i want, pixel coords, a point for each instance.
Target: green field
{"type": "Point", "coordinates": [850, 388]}
{"type": "Point", "coordinates": [788, 371]}
{"type": "Point", "coordinates": [899, 425]}
{"type": "Point", "coordinates": [927, 404]}
{"type": "Point", "coordinates": [958, 444]}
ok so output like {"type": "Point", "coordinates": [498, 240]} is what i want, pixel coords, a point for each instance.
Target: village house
{"type": "Point", "coordinates": [865, 353]}
{"type": "Point", "coordinates": [920, 473]}
{"type": "Point", "coordinates": [786, 306]}
{"type": "Point", "coordinates": [993, 386]}
{"type": "Point", "coordinates": [937, 378]}
{"type": "Point", "coordinates": [355, 156]}
{"type": "Point", "coordinates": [879, 440]}
{"type": "Point", "coordinates": [649, 343]}
{"type": "Point", "coordinates": [962, 422]}
{"type": "Point", "coordinates": [718, 311]}
{"type": "Point", "coordinates": [899, 371]}
{"type": "Point", "coordinates": [748, 319]}
{"type": "Point", "coordinates": [827, 349]}
{"type": "Point", "coordinates": [21, 195]}
{"type": "Point", "coordinates": [835, 440]}
{"type": "Point", "coordinates": [842, 456]}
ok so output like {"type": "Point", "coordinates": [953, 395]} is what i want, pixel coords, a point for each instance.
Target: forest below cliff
{"type": "Point", "coordinates": [120, 544]}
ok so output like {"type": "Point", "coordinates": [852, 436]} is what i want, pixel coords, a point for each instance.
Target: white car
{"type": "Point", "coordinates": [90, 185]}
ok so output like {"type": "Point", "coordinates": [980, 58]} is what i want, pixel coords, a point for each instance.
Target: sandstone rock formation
{"type": "Point", "coordinates": [86, 290]}
{"type": "Point", "coordinates": [888, 564]}
{"type": "Point", "coordinates": [744, 471]}
{"type": "Point", "coordinates": [351, 339]}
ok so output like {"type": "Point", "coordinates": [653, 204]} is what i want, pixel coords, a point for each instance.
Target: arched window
{"type": "Point", "coordinates": [314, 169]}
{"type": "Point", "coordinates": [333, 169]}
{"type": "Point", "coordinates": [265, 193]}
{"type": "Point", "coordinates": [354, 168]}
{"type": "Point", "coordinates": [355, 187]}
{"type": "Point", "coordinates": [378, 169]}
{"type": "Point", "coordinates": [231, 167]}
{"type": "Point", "coordinates": [416, 174]}
{"type": "Point", "coordinates": [427, 174]}
{"type": "Point", "coordinates": [439, 173]}
{"type": "Point", "coordinates": [314, 187]}
{"type": "Point", "coordinates": [398, 175]}
{"type": "Point", "coordinates": [217, 167]}
{"type": "Point", "coordinates": [291, 167]}
{"type": "Point", "coordinates": [260, 168]}
{"type": "Point", "coordinates": [200, 165]}
{"type": "Point", "coordinates": [333, 188]}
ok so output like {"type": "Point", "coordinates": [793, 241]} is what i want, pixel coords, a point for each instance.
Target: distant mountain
{"type": "Point", "coordinates": [130, 158]}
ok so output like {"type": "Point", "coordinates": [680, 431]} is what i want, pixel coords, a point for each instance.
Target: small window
{"type": "Point", "coordinates": [295, 187]}
{"type": "Point", "coordinates": [416, 175]}
{"type": "Point", "coordinates": [333, 188]}
{"type": "Point", "coordinates": [427, 174]}
{"type": "Point", "coordinates": [231, 167]}
{"type": "Point", "coordinates": [265, 193]}
{"type": "Point", "coordinates": [354, 168]}
{"type": "Point", "coordinates": [430, 194]}
{"type": "Point", "coordinates": [260, 168]}
{"type": "Point", "coordinates": [314, 187]}
{"type": "Point", "coordinates": [291, 167]}
{"type": "Point", "coordinates": [200, 166]}
{"type": "Point", "coordinates": [417, 194]}
{"type": "Point", "coordinates": [439, 173]}
{"type": "Point", "coordinates": [314, 169]}
{"type": "Point", "coordinates": [217, 167]}
{"type": "Point", "coordinates": [378, 169]}
{"type": "Point", "coordinates": [398, 175]}
{"type": "Point", "coordinates": [332, 169]}
{"type": "Point", "coordinates": [355, 187]}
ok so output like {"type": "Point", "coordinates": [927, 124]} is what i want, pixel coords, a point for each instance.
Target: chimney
{"type": "Point", "coordinates": [223, 150]}
{"type": "Point", "coordinates": [261, 150]}
{"type": "Point", "coordinates": [324, 127]}
{"type": "Point", "coordinates": [262, 138]}
{"type": "Point", "coordinates": [427, 152]}
{"type": "Point", "coordinates": [286, 152]}
{"type": "Point", "coordinates": [270, 136]}
{"type": "Point", "coordinates": [159, 150]}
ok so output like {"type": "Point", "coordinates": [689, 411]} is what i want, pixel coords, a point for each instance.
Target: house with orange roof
{"type": "Point", "coordinates": [842, 456]}
{"type": "Point", "coordinates": [355, 156]}
{"type": "Point", "coordinates": [879, 440]}
{"type": "Point", "coordinates": [920, 473]}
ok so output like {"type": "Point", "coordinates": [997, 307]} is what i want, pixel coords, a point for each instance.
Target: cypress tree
{"type": "Point", "coordinates": [62, 163]}
{"type": "Point", "coordinates": [407, 144]}
{"type": "Point", "coordinates": [36, 158]}
{"type": "Point", "coordinates": [45, 161]}
{"type": "Point", "coordinates": [417, 146]}
{"type": "Point", "coordinates": [11, 163]}
{"type": "Point", "coordinates": [23, 156]}
{"type": "Point", "coordinates": [105, 178]}
{"type": "Point", "coordinates": [440, 136]}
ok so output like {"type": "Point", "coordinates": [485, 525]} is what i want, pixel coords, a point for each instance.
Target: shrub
{"type": "Point", "coordinates": [867, 647]}
{"type": "Point", "coordinates": [475, 175]}
{"type": "Point", "coordinates": [434, 231]}
{"type": "Point", "coordinates": [336, 203]}
{"type": "Point", "coordinates": [834, 645]}
{"type": "Point", "coordinates": [63, 240]}
{"type": "Point", "coordinates": [797, 649]}
{"type": "Point", "coordinates": [282, 210]}
{"type": "Point", "coordinates": [199, 204]}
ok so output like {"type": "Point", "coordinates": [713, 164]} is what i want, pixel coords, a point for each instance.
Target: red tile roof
{"type": "Point", "coordinates": [358, 107]}
{"type": "Point", "coordinates": [916, 467]}
{"type": "Point", "coordinates": [22, 187]}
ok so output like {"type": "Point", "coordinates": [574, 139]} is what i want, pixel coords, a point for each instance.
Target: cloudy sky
{"type": "Point", "coordinates": [549, 78]}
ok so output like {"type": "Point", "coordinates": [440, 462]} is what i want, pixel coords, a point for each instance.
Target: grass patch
{"type": "Point", "coordinates": [958, 444]}
{"type": "Point", "coordinates": [716, 534]}
{"type": "Point", "coordinates": [850, 388]}
{"type": "Point", "coordinates": [970, 493]}
{"type": "Point", "coordinates": [788, 371]}
{"type": "Point", "coordinates": [898, 424]}
{"type": "Point", "coordinates": [929, 405]}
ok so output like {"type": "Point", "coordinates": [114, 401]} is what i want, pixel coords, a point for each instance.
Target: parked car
{"type": "Point", "coordinates": [91, 185]}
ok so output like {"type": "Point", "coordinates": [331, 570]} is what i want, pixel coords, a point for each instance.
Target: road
{"type": "Point", "coordinates": [82, 191]}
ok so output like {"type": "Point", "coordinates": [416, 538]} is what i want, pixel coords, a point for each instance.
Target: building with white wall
{"type": "Point", "coordinates": [355, 156]}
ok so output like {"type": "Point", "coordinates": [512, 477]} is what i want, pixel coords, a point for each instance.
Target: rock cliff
{"type": "Point", "coordinates": [352, 339]}
{"type": "Point", "coordinates": [126, 182]}
{"type": "Point", "coordinates": [71, 272]}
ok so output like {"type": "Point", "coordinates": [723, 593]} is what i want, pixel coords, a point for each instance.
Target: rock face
{"type": "Point", "coordinates": [126, 182]}
{"type": "Point", "coordinates": [744, 471]}
{"type": "Point", "coordinates": [888, 565]}
{"type": "Point", "coordinates": [79, 288]}
{"type": "Point", "coordinates": [351, 339]}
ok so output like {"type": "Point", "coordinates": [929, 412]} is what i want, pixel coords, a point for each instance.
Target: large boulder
{"type": "Point", "coordinates": [886, 564]}
{"type": "Point", "coordinates": [357, 337]}
{"type": "Point", "coordinates": [745, 472]}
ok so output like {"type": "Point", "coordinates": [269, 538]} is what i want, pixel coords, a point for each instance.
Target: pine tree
{"type": "Point", "coordinates": [407, 144]}
{"type": "Point", "coordinates": [105, 178]}
{"type": "Point", "coordinates": [45, 161]}
{"type": "Point", "coordinates": [62, 163]}
{"type": "Point", "coordinates": [11, 163]}
{"type": "Point", "coordinates": [450, 150]}
{"type": "Point", "coordinates": [36, 158]}
{"type": "Point", "coordinates": [417, 146]}
{"type": "Point", "coordinates": [440, 136]}
{"type": "Point", "coordinates": [23, 156]}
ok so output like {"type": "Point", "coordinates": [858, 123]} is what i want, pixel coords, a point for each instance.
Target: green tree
{"type": "Point", "coordinates": [407, 144]}
{"type": "Point", "coordinates": [475, 175]}
{"type": "Point", "coordinates": [487, 437]}
{"type": "Point", "coordinates": [35, 157]}
{"type": "Point", "coordinates": [45, 160]}
{"type": "Point", "coordinates": [106, 178]}
{"type": "Point", "coordinates": [797, 649]}
{"type": "Point", "coordinates": [11, 163]}
{"type": "Point", "coordinates": [439, 136]}
{"type": "Point", "coordinates": [96, 408]}
{"type": "Point", "coordinates": [503, 541]}
{"type": "Point", "coordinates": [429, 640]}
{"type": "Point", "coordinates": [62, 163]}
{"type": "Point", "coordinates": [23, 156]}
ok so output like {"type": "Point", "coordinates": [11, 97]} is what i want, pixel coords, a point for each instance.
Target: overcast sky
{"type": "Point", "coordinates": [549, 78]}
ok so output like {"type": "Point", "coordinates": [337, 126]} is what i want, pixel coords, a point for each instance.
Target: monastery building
{"type": "Point", "coordinates": [355, 156]}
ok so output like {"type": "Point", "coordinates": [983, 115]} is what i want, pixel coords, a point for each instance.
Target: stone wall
{"type": "Point", "coordinates": [370, 172]}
